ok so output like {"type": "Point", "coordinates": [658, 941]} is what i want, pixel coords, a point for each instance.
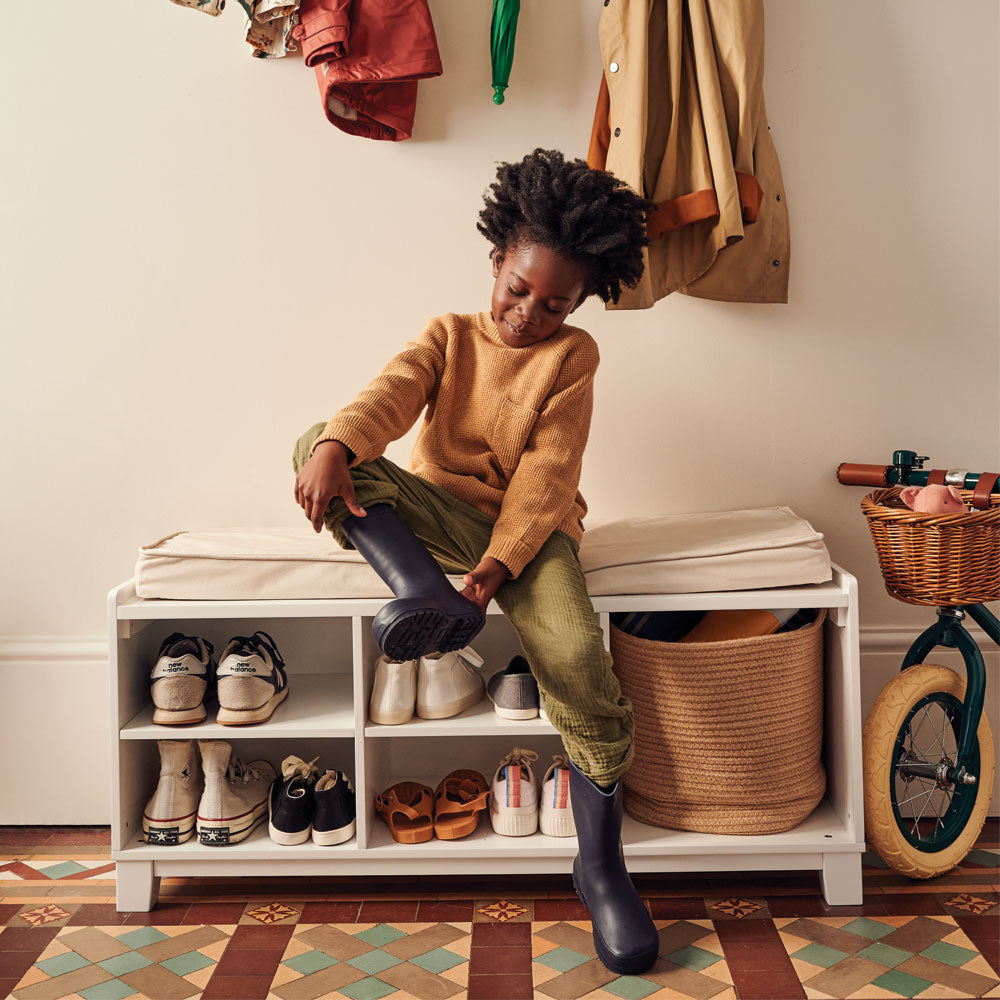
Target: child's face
{"type": "Point", "coordinates": [536, 288]}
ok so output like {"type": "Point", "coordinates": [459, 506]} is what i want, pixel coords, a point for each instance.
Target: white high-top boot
{"type": "Point", "coordinates": [169, 816]}
{"type": "Point", "coordinates": [234, 802]}
{"type": "Point", "coordinates": [394, 692]}
{"type": "Point", "coordinates": [447, 685]}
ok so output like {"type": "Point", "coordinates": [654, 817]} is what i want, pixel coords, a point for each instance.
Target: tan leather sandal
{"type": "Point", "coordinates": [459, 800]}
{"type": "Point", "coordinates": [407, 809]}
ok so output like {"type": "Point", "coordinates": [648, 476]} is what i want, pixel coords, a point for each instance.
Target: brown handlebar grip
{"type": "Point", "coordinates": [862, 475]}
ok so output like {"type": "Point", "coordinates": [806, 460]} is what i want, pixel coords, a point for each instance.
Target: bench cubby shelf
{"type": "Point", "coordinates": [330, 654]}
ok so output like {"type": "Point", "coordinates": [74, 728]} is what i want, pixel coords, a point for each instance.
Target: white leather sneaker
{"type": "Point", "coordinates": [234, 802]}
{"type": "Point", "coordinates": [447, 685]}
{"type": "Point", "coordinates": [394, 692]}
{"type": "Point", "coordinates": [169, 815]}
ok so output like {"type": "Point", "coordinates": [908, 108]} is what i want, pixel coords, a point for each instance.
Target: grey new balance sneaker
{"type": "Point", "coordinates": [513, 691]}
{"type": "Point", "coordinates": [251, 680]}
{"type": "Point", "coordinates": [180, 677]}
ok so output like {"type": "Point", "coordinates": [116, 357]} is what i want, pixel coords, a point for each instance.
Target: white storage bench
{"type": "Point", "coordinates": [330, 655]}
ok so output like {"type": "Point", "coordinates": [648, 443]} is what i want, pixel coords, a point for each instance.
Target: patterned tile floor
{"type": "Point", "coordinates": [728, 937]}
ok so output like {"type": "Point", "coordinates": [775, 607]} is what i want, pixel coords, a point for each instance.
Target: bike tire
{"type": "Point", "coordinates": [883, 740]}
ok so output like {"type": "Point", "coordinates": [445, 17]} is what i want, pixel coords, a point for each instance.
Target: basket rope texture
{"type": "Point", "coordinates": [728, 735]}
{"type": "Point", "coordinates": [936, 559]}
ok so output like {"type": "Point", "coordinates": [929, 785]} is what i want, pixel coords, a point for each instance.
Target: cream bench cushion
{"type": "Point", "coordinates": [669, 554]}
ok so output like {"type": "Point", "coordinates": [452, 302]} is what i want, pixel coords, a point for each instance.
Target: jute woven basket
{"type": "Point", "coordinates": [936, 559]}
{"type": "Point", "coordinates": [728, 735]}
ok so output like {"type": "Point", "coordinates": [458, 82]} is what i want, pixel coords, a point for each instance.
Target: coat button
{"type": "Point", "coordinates": [618, 132]}
{"type": "Point", "coordinates": [775, 263]}
{"type": "Point", "coordinates": [613, 67]}
{"type": "Point", "coordinates": [777, 197]}
{"type": "Point", "coordinates": [606, 2]}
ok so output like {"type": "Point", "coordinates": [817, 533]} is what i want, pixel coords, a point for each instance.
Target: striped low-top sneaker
{"type": "Point", "coordinates": [251, 680]}
{"type": "Point", "coordinates": [555, 814]}
{"type": "Point", "coordinates": [514, 797]}
{"type": "Point", "coordinates": [169, 815]}
{"type": "Point", "coordinates": [234, 802]}
{"type": "Point", "coordinates": [180, 677]}
{"type": "Point", "coordinates": [292, 801]}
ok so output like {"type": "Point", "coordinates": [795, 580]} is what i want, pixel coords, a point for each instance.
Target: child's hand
{"type": "Point", "coordinates": [323, 477]}
{"type": "Point", "coordinates": [484, 581]}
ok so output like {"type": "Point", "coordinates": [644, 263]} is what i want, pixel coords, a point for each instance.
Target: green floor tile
{"type": "Point", "coordinates": [693, 958]}
{"type": "Point", "coordinates": [367, 989]}
{"type": "Point", "coordinates": [380, 934]}
{"type": "Point", "coordinates": [121, 964]}
{"type": "Point", "coordinates": [885, 955]}
{"type": "Point", "coordinates": [632, 987]}
{"type": "Point", "coordinates": [68, 962]}
{"type": "Point", "coordinates": [309, 962]}
{"type": "Point", "coordinates": [562, 959]}
{"type": "Point", "coordinates": [375, 961]}
{"type": "Point", "coordinates": [899, 982]}
{"type": "Point", "coordinates": [113, 989]}
{"type": "Point", "coordinates": [61, 869]}
{"type": "Point", "coordinates": [141, 937]}
{"type": "Point", "coordinates": [439, 960]}
{"type": "Point", "coordinates": [950, 954]}
{"type": "Point", "coordinates": [871, 929]}
{"type": "Point", "coordinates": [819, 954]}
{"type": "Point", "coordinates": [184, 965]}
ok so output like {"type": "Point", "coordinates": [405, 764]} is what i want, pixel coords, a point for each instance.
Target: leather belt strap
{"type": "Point", "coordinates": [985, 486]}
{"type": "Point", "coordinates": [936, 477]}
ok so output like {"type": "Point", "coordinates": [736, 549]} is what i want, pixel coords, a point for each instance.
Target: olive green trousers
{"type": "Point", "coordinates": [547, 605]}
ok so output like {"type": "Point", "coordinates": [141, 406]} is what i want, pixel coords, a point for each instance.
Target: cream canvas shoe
{"type": "Point", "coordinates": [169, 816]}
{"type": "Point", "coordinates": [555, 813]}
{"type": "Point", "coordinates": [394, 692]}
{"type": "Point", "coordinates": [514, 796]}
{"type": "Point", "coordinates": [447, 685]}
{"type": "Point", "coordinates": [234, 802]}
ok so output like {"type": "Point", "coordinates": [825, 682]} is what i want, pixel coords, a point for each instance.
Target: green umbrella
{"type": "Point", "coordinates": [503, 28]}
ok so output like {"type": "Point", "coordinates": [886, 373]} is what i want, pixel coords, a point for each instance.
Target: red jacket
{"type": "Point", "coordinates": [368, 56]}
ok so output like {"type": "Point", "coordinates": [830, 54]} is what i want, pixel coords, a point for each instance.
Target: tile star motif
{"type": "Point", "coordinates": [736, 907]}
{"type": "Point", "coordinates": [41, 915]}
{"type": "Point", "coordinates": [271, 913]}
{"type": "Point", "coordinates": [971, 904]}
{"type": "Point", "coordinates": [503, 910]}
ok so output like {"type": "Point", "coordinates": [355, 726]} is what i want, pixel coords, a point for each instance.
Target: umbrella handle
{"type": "Point", "coordinates": [498, 93]}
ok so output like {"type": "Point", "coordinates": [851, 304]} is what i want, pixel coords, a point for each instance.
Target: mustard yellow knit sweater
{"type": "Point", "coordinates": [505, 427]}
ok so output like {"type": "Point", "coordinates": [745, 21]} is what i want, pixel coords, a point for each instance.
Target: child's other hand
{"type": "Point", "coordinates": [484, 581]}
{"type": "Point", "coordinates": [325, 476]}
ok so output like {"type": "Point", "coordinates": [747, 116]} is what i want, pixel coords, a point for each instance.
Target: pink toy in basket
{"type": "Point", "coordinates": [934, 500]}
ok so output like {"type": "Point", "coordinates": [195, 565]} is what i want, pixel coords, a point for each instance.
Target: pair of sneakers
{"type": "Point", "coordinates": [304, 802]}
{"type": "Point", "coordinates": [250, 680]}
{"type": "Point", "coordinates": [515, 807]}
{"type": "Point", "coordinates": [205, 789]}
{"type": "Point", "coordinates": [436, 686]}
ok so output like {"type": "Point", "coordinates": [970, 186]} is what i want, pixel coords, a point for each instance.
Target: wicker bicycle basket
{"type": "Point", "coordinates": [937, 559]}
{"type": "Point", "coordinates": [729, 734]}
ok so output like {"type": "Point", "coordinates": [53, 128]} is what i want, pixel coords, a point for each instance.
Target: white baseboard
{"type": "Point", "coordinates": [54, 718]}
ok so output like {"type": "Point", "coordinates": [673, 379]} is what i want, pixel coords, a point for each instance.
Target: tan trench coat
{"type": "Point", "coordinates": [681, 119]}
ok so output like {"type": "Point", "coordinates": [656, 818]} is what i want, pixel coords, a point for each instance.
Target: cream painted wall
{"type": "Point", "coordinates": [195, 266]}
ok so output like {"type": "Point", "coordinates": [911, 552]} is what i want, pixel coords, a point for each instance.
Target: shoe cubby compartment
{"type": "Point", "coordinates": [330, 658]}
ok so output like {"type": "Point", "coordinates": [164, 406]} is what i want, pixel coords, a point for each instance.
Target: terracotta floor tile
{"type": "Point", "coordinates": [14, 964]}
{"type": "Point", "coordinates": [909, 904]}
{"type": "Point", "coordinates": [213, 913]}
{"type": "Point", "coordinates": [166, 914]}
{"type": "Point", "coordinates": [983, 932]}
{"type": "Point", "coordinates": [388, 911]}
{"type": "Point", "coordinates": [753, 946]}
{"type": "Point", "coordinates": [329, 913]}
{"type": "Point", "coordinates": [7, 910]}
{"type": "Point", "coordinates": [500, 935]}
{"type": "Point", "coordinates": [500, 987]}
{"type": "Point", "coordinates": [511, 959]}
{"type": "Point", "coordinates": [19, 835]}
{"type": "Point", "coordinates": [766, 985]}
{"type": "Point", "coordinates": [244, 962]}
{"type": "Point", "coordinates": [88, 835]}
{"type": "Point", "coordinates": [560, 909]}
{"type": "Point", "coordinates": [96, 915]}
{"type": "Point", "coordinates": [237, 988]}
{"type": "Point", "coordinates": [677, 909]}
{"type": "Point", "coordinates": [269, 938]}
{"type": "Point", "coordinates": [814, 906]}
{"type": "Point", "coordinates": [34, 939]}
{"type": "Point", "coordinates": [444, 909]}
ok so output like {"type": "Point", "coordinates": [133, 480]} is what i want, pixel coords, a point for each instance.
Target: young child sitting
{"type": "Point", "coordinates": [492, 489]}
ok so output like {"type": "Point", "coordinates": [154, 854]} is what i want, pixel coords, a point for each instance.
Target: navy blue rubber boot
{"type": "Point", "coordinates": [429, 614]}
{"type": "Point", "coordinates": [624, 934]}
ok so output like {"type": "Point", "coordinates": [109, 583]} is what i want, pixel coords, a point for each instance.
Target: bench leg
{"type": "Point", "coordinates": [841, 879]}
{"type": "Point", "coordinates": [138, 887]}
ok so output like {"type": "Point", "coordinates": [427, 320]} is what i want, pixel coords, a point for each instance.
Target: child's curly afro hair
{"type": "Point", "coordinates": [589, 215]}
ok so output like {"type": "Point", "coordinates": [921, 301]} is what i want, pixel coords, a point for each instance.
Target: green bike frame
{"type": "Point", "coordinates": [949, 631]}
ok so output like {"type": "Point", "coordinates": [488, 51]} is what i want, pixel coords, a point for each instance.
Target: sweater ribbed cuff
{"type": "Point", "coordinates": [512, 552]}
{"type": "Point", "coordinates": [335, 430]}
